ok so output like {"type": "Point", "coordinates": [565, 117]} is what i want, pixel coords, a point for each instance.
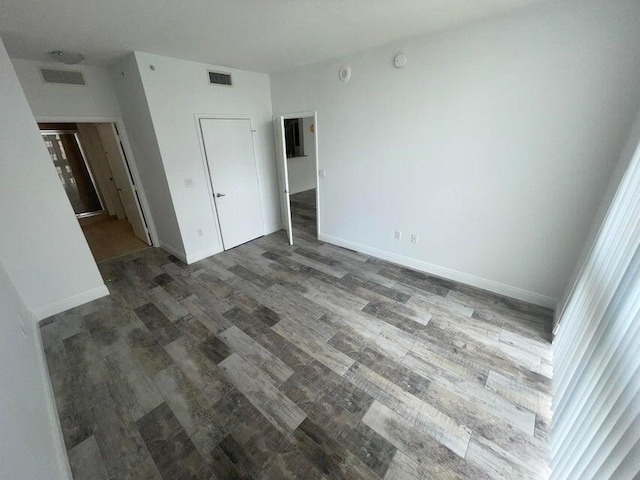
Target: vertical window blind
{"type": "Point", "coordinates": [595, 431]}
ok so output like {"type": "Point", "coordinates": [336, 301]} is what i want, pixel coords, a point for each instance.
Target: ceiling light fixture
{"type": "Point", "coordinates": [68, 58]}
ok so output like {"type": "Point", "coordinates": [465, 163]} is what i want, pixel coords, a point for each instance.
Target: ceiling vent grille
{"type": "Point", "coordinates": [220, 78]}
{"type": "Point", "coordinates": [67, 77]}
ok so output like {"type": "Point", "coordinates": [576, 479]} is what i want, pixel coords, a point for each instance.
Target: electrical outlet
{"type": "Point", "coordinates": [397, 234]}
{"type": "Point", "coordinates": [188, 182]}
{"type": "Point", "coordinates": [414, 238]}
{"type": "Point", "coordinates": [199, 232]}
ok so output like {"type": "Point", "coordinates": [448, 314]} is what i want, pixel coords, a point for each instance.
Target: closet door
{"type": "Point", "coordinates": [228, 145]}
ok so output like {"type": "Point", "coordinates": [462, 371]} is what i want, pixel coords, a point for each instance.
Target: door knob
{"type": "Point", "coordinates": [219, 195]}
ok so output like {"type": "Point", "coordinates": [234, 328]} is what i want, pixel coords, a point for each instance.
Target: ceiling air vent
{"type": "Point", "coordinates": [220, 78]}
{"type": "Point", "coordinates": [67, 77]}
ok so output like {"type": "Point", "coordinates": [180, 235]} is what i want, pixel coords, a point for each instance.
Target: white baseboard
{"type": "Point", "coordinates": [190, 257]}
{"type": "Point", "coordinates": [68, 303]}
{"type": "Point", "coordinates": [273, 229]}
{"type": "Point", "coordinates": [64, 469]}
{"type": "Point", "coordinates": [448, 273]}
{"type": "Point", "coordinates": [195, 257]}
{"type": "Point", "coordinates": [173, 251]}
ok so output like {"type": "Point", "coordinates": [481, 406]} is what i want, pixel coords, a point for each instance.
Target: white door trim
{"type": "Point", "coordinates": [144, 203]}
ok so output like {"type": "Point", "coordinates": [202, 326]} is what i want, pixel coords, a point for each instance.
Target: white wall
{"type": "Point", "coordinates": [302, 170]}
{"type": "Point", "coordinates": [45, 266]}
{"type": "Point", "coordinates": [144, 144]}
{"type": "Point", "coordinates": [176, 91]}
{"type": "Point", "coordinates": [494, 144]}
{"type": "Point", "coordinates": [96, 99]}
{"type": "Point", "coordinates": [30, 444]}
{"type": "Point", "coordinates": [605, 204]}
{"type": "Point", "coordinates": [41, 243]}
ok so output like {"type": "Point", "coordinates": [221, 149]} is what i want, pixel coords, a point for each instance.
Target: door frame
{"type": "Point", "coordinates": [130, 158]}
{"type": "Point", "coordinates": [207, 172]}
{"type": "Point", "coordinates": [307, 114]}
{"type": "Point", "coordinates": [284, 195]}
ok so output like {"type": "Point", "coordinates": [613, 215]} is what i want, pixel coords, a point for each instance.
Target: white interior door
{"type": "Point", "coordinates": [228, 145]}
{"type": "Point", "coordinates": [122, 178]}
{"type": "Point", "coordinates": [99, 165]}
{"type": "Point", "coordinates": [281, 154]}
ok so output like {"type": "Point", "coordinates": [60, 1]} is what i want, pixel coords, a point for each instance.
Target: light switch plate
{"type": "Point", "coordinates": [188, 183]}
{"type": "Point", "coordinates": [322, 173]}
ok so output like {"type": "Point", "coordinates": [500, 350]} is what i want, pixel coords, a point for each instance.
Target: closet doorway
{"type": "Point", "coordinates": [297, 157]}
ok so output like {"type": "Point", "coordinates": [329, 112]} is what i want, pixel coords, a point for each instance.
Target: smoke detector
{"type": "Point", "coordinates": [344, 74]}
{"type": "Point", "coordinates": [68, 58]}
{"type": "Point", "coordinates": [400, 60]}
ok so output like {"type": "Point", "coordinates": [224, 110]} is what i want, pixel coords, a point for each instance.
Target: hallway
{"type": "Point", "coordinates": [110, 238]}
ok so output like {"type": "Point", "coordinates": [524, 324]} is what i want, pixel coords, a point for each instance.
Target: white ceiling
{"type": "Point", "coordinates": [259, 35]}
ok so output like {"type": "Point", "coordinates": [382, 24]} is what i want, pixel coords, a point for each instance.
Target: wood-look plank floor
{"type": "Point", "coordinates": [111, 238]}
{"type": "Point", "coordinates": [309, 362]}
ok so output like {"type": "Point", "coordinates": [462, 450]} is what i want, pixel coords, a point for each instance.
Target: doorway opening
{"type": "Point", "coordinates": [96, 176]}
{"type": "Point", "coordinates": [297, 150]}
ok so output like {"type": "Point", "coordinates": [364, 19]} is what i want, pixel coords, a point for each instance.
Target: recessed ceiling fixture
{"type": "Point", "coordinates": [68, 58]}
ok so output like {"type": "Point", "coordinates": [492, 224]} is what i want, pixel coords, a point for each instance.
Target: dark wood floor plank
{"type": "Point", "coordinates": [199, 369]}
{"type": "Point", "coordinates": [157, 322]}
{"type": "Point", "coordinates": [321, 351]}
{"type": "Point", "coordinates": [339, 410]}
{"type": "Point", "coordinates": [134, 388]}
{"type": "Point", "coordinates": [327, 454]}
{"type": "Point", "coordinates": [256, 386]}
{"type": "Point", "coordinates": [256, 354]}
{"type": "Point", "coordinates": [145, 347]}
{"type": "Point", "coordinates": [86, 461]}
{"type": "Point", "coordinates": [195, 412]}
{"type": "Point", "coordinates": [169, 445]}
{"type": "Point", "coordinates": [412, 278]}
